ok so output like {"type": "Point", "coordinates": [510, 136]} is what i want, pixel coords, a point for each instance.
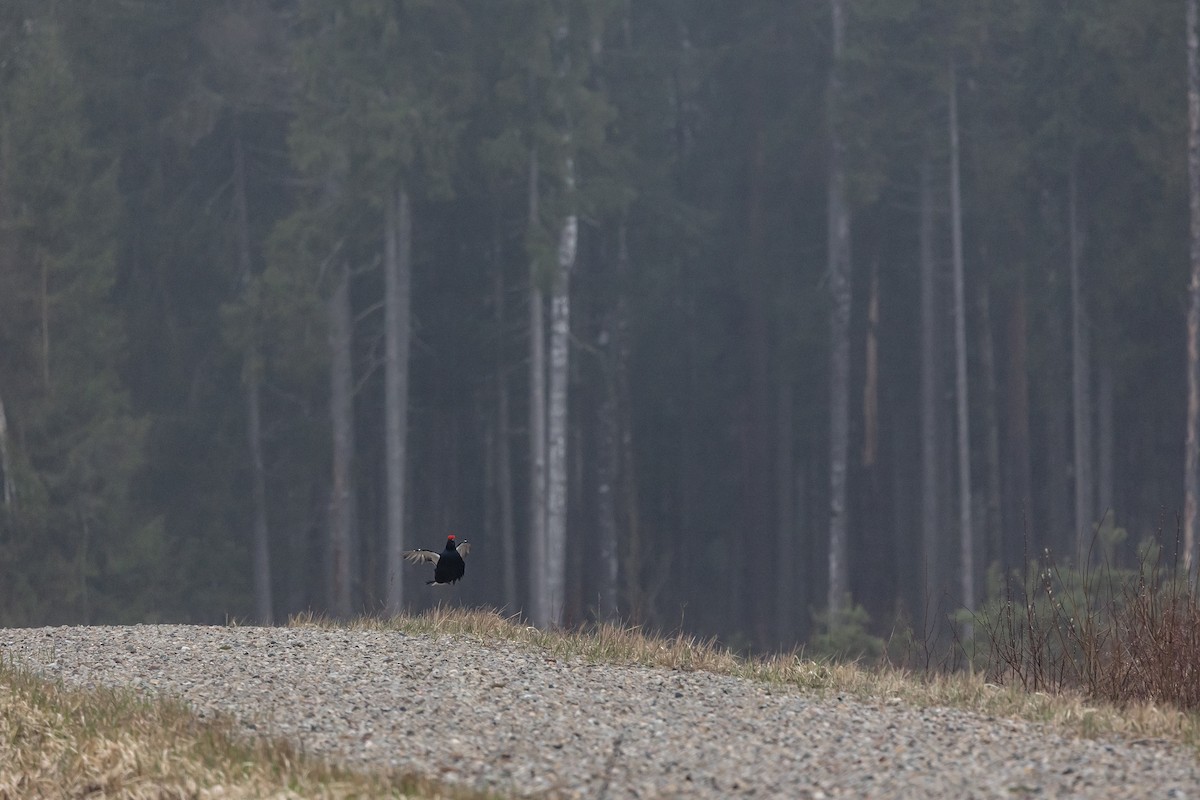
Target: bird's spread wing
{"type": "Point", "coordinates": [417, 556]}
{"type": "Point", "coordinates": [463, 548]}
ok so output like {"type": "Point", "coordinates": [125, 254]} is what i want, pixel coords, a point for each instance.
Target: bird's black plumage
{"type": "Point", "coordinates": [448, 564]}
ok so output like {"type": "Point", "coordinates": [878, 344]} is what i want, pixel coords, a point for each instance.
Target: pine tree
{"type": "Point", "coordinates": [78, 446]}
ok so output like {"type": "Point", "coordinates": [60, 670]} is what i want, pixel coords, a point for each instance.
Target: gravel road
{"type": "Point", "coordinates": [508, 718]}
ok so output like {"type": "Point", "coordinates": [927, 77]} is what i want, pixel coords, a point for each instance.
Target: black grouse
{"type": "Point", "coordinates": [448, 564]}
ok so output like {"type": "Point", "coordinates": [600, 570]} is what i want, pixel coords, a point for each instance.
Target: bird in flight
{"type": "Point", "coordinates": [448, 564]}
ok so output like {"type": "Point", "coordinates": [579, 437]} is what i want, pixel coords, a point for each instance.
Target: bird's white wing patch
{"type": "Point", "coordinates": [417, 556]}
{"type": "Point", "coordinates": [463, 548]}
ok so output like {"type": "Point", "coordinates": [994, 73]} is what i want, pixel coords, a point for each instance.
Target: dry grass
{"type": "Point", "coordinates": [62, 742]}
{"type": "Point", "coordinates": [1071, 712]}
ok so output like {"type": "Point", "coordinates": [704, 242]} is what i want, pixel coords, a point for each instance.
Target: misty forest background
{"type": "Point", "coordinates": [797, 274]}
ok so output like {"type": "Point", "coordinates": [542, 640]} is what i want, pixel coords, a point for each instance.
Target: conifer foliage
{"type": "Point", "coordinates": [769, 317]}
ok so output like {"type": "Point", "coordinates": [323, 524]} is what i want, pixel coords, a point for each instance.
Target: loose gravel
{"type": "Point", "coordinates": [508, 718]}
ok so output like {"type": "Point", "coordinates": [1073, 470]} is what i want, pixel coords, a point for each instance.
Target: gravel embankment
{"type": "Point", "coordinates": [508, 718]}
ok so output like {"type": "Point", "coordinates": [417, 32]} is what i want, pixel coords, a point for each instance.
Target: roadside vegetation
{"type": "Point", "coordinates": [988, 686]}
{"type": "Point", "coordinates": [57, 741]}
{"type": "Point", "coordinates": [1125, 636]}
{"type": "Point", "coordinates": [1105, 652]}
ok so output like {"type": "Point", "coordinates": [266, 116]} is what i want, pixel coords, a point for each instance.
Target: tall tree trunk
{"type": "Point", "coordinates": [609, 447]}
{"type": "Point", "coordinates": [81, 556]}
{"type": "Point", "coordinates": [1081, 380]}
{"type": "Point", "coordinates": [966, 530]}
{"type": "Point", "coordinates": [1191, 472]}
{"type": "Point", "coordinates": [1057, 405]}
{"type": "Point", "coordinates": [748, 577]}
{"type": "Point", "coordinates": [539, 600]}
{"type": "Point", "coordinates": [8, 493]}
{"type": "Point", "coordinates": [688, 470]}
{"type": "Point", "coordinates": [1017, 438]}
{"type": "Point", "coordinates": [491, 494]}
{"type": "Point", "coordinates": [503, 456]}
{"type": "Point", "coordinates": [987, 363]}
{"type": "Point", "coordinates": [556, 434]}
{"type": "Point", "coordinates": [397, 267]}
{"type": "Point", "coordinates": [688, 542]}
{"type": "Point", "coordinates": [871, 381]}
{"type": "Point", "coordinates": [804, 567]}
{"type": "Point", "coordinates": [341, 411]}
{"type": "Point", "coordinates": [575, 597]}
{"type": "Point", "coordinates": [905, 550]}
{"type": "Point", "coordinates": [1104, 440]}
{"type": "Point", "coordinates": [607, 459]}
{"type": "Point", "coordinates": [786, 598]}
{"type": "Point", "coordinates": [628, 514]}
{"type": "Point", "coordinates": [44, 274]}
{"type": "Point", "coordinates": [262, 559]}
{"type": "Point", "coordinates": [7, 489]}
{"type": "Point", "coordinates": [930, 371]}
{"type": "Point", "coordinates": [252, 378]}
{"type": "Point", "coordinates": [839, 331]}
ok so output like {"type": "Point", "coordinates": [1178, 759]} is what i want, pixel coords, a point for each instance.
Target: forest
{"type": "Point", "coordinates": [740, 318]}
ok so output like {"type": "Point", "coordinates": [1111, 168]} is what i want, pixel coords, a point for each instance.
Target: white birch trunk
{"type": "Point", "coordinates": [966, 529]}
{"type": "Point", "coordinates": [556, 438]}
{"type": "Point", "coordinates": [397, 265]}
